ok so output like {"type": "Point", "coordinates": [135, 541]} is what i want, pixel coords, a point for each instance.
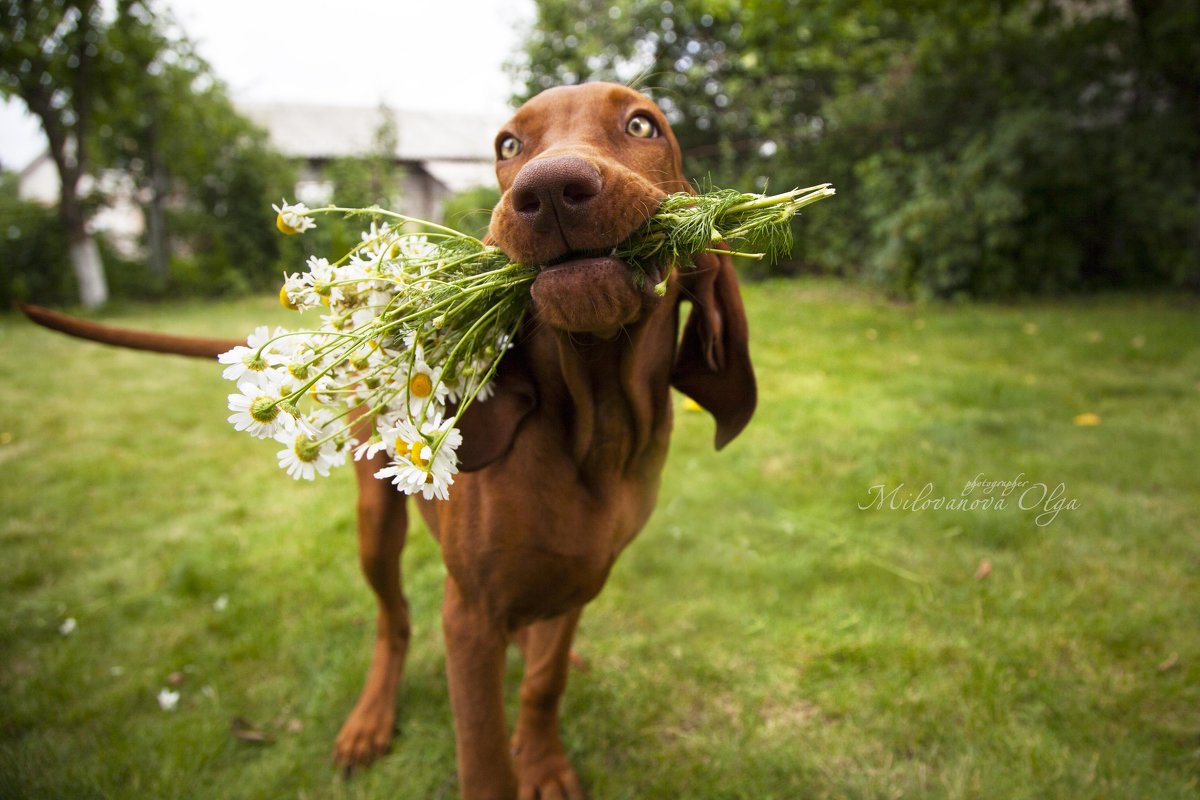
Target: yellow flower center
{"type": "Point", "coordinates": [283, 226]}
{"type": "Point", "coordinates": [284, 300]}
{"type": "Point", "coordinates": [306, 449]}
{"type": "Point", "coordinates": [264, 409]}
{"type": "Point", "coordinates": [412, 451]}
{"type": "Point", "coordinates": [420, 385]}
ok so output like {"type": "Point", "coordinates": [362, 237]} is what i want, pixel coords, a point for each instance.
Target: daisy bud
{"type": "Point", "coordinates": [291, 219]}
{"type": "Point", "coordinates": [286, 301]}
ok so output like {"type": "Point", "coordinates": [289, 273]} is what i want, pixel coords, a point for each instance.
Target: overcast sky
{"type": "Point", "coordinates": [446, 54]}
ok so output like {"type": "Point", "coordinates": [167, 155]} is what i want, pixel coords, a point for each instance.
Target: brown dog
{"type": "Point", "coordinates": [561, 467]}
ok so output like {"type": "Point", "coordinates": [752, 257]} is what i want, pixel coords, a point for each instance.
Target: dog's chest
{"type": "Point", "coordinates": [544, 550]}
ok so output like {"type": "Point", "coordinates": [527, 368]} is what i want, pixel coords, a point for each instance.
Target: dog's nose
{"type": "Point", "coordinates": [550, 193]}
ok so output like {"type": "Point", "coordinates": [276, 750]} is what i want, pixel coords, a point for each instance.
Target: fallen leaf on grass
{"type": "Point", "coordinates": [243, 729]}
{"type": "Point", "coordinates": [983, 570]}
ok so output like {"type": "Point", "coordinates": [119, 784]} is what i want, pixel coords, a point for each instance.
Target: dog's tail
{"type": "Point", "coordinates": [194, 346]}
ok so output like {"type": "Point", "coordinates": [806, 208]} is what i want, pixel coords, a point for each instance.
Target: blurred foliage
{"type": "Point", "coordinates": [134, 96]}
{"type": "Point", "coordinates": [34, 264]}
{"type": "Point", "coordinates": [470, 211]}
{"type": "Point", "coordinates": [373, 178]}
{"type": "Point", "coordinates": [981, 148]}
{"type": "Point", "coordinates": [204, 175]}
{"type": "Point", "coordinates": [55, 56]}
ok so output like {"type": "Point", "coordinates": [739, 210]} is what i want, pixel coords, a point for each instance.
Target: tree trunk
{"type": "Point", "coordinates": [156, 227]}
{"type": "Point", "coordinates": [89, 271]}
{"type": "Point", "coordinates": [85, 255]}
{"type": "Point", "coordinates": [156, 217]}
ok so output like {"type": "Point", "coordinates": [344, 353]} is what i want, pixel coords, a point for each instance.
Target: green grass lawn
{"type": "Point", "coordinates": [764, 638]}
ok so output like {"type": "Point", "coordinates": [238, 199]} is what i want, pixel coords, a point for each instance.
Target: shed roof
{"type": "Point", "coordinates": [323, 131]}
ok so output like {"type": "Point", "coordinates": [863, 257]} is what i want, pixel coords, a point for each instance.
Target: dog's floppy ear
{"type": "Point", "coordinates": [712, 365]}
{"type": "Point", "coordinates": [489, 426]}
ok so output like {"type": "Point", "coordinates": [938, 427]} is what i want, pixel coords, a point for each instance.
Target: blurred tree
{"type": "Point", "coordinates": [372, 178]}
{"type": "Point", "coordinates": [193, 159]}
{"type": "Point", "coordinates": [359, 181]}
{"type": "Point", "coordinates": [120, 87]}
{"type": "Point", "coordinates": [52, 56]}
{"type": "Point", "coordinates": [978, 146]}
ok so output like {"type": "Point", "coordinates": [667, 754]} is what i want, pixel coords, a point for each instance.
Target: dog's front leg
{"type": "Point", "coordinates": [475, 649]}
{"type": "Point", "coordinates": [382, 523]}
{"type": "Point", "coordinates": [542, 765]}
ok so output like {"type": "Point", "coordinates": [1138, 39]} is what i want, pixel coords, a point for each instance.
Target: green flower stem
{"type": "Point", "coordinates": [819, 192]}
{"type": "Point", "coordinates": [467, 400]}
{"type": "Point", "coordinates": [376, 210]}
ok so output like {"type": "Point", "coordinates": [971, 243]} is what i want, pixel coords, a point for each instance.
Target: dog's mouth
{"type": "Point", "coordinates": [571, 256]}
{"type": "Point", "coordinates": [588, 291]}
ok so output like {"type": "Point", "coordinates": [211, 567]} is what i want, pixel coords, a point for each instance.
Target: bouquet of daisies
{"type": "Point", "coordinates": [414, 322]}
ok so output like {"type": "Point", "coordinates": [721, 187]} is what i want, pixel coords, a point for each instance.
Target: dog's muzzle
{"type": "Point", "coordinates": [589, 295]}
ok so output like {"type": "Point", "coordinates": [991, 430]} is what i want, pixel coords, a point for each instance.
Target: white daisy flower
{"type": "Point", "coordinates": [376, 241]}
{"type": "Point", "coordinates": [469, 378]}
{"type": "Point", "coordinates": [364, 314]}
{"type": "Point", "coordinates": [486, 391]}
{"type": "Point", "coordinates": [326, 391]}
{"type": "Point", "coordinates": [424, 390]}
{"type": "Point", "coordinates": [413, 247]}
{"type": "Point", "coordinates": [247, 360]}
{"type": "Point", "coordinates": [309, 451]}
{"type": "Point", "coordinates": [292, 218]}
{"type": "Point", "coordinates": [415, 466]}
{"type": "Point", "coordinates": [321, 276]}
{"type": "Point", "coordinates": [297, 294]}
{"type": "Point", "coordinates": [370, 448]}
{"type": "Point", "coordinates": [257, 410]}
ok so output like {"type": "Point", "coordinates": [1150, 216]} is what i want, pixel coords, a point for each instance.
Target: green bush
{"type": "Point", "coordinates": [34, 262]}
{"type": "Point", "coordinates": [978, 148]}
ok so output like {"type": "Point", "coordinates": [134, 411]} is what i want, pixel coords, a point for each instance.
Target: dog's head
{"type": "Point", "coordinates": [580, 169]}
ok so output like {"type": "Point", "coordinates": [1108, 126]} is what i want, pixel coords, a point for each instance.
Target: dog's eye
{"type": "Point", "coordinates": [641, 127]}
{"type": "Point", "coordinates": [509, 147]}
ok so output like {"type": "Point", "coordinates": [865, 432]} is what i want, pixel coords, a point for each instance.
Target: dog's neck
{"type": "Point", "coordinates": [612, 393]}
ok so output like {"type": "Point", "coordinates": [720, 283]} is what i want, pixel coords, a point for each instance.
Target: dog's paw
{"type": "Point", "coordinates": [543, 772]}
{"type": "Point", "coordinates": [559, 783]}
{"type": "Point", "coordinates": [365, 736]}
